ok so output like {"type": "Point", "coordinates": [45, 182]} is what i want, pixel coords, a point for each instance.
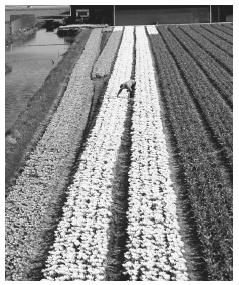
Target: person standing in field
{"type": "Point", "coordinates": [129, 86]}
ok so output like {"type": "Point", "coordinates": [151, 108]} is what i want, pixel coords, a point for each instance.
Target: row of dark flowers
{"type": "Point", "coordinates": [208, 188]}
{"type": "Point", "coordinates": [219, 77]}
{"type": "Point", "coordinates": [218, 54]}
{"type": "Point", "coordinates": [216, 115]}
{"type": "Point", "coordinates": [221, 31]}
{"type": "Point", "coordinates": [214, 37]}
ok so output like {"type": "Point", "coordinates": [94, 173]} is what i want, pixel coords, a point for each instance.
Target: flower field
{"type": "Point", "coordinates": [153, 176]}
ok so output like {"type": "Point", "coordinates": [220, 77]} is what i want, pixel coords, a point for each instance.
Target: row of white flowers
{"type": "Point", "coordinates": [106, 59]}
{"type": "Point", "coordinates": [33, 199]}
{"type": "Point", "coordinates": [81, 239]}
{"type": "Point", "coordinates": [155, 249]}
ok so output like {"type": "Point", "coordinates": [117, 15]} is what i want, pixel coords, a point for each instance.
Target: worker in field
{"type": "Point", "coordinates": [129, 86]}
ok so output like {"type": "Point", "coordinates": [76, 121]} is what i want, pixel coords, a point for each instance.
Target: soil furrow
{"type": "Point", "coordinates": [118, 233]}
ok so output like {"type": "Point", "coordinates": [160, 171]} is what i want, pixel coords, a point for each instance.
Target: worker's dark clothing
{"type": "Point", "coordinates": [129, 86]}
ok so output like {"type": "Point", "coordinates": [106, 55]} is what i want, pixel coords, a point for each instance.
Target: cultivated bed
{"type": "Point", "coordinates": [143, 189]}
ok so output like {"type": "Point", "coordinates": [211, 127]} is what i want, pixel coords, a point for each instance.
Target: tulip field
{"type": "Point", "coordinates": [147, 195]}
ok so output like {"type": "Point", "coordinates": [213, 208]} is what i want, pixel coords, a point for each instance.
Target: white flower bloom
{"type": "Point", "coordinates": [87, 216]}
{"type": "Point", "coordinates": [151, 198]}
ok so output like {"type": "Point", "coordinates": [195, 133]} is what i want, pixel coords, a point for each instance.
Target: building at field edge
{"type": "Point", "coordinates": [124, 15]}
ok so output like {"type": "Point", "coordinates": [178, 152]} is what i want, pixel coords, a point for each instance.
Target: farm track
{"type": "Point", "coordinates": [200, 162]}
{"type": "Point", "coordinates": [216, 122]}
{"type": "Point", "coordinates": [220, 79]}
{"type": "Point", "coordinates": [219, 55]}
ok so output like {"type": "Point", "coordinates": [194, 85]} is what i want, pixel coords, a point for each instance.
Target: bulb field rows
{"type": "Point", "coordinates": [222, 32]}
{"type": "Point", "coordinates": [210, 35]}
{"type": "Point", "coordinates": [155, 248]}
{"type": "Point", "coordinates": [80, 248]}
{"type": "Point", "coordinates": [215, 73]}
{"type": "Point", "coordinates": [104, 63]}
{"type": "Point", "coordinates": [60, 223]}
{"type": "Point", "coordinates": [32, 202]}
{"type": "Point", "coordinates": [217, 53]}
{"type": "Point", "coordinates": [217, 115]}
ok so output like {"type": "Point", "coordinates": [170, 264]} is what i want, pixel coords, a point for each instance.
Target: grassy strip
{"type": "Point", "coordinates": [34, 204]}
{"type": "Point", "coordinates": [31, 123]}
{"type": "Point", "coordinates": [21, 36]}
{"type": "Point", "coordinates": [219, 55]}
{"type": "Point", "coordinates": [220, 79]}
{"type": "Point", "coordinates": [216, 115]}
{"type": "Point", "coordinates": [209, 190]}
